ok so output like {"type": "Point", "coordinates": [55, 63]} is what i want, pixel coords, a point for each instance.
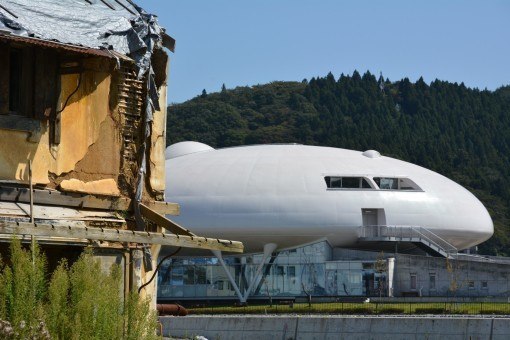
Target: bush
{"type": "Point", "coordinates": [80, 302]}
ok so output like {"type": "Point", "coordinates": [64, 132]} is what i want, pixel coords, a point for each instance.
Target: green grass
{"type": "Point", "coordinates": [472, 308]}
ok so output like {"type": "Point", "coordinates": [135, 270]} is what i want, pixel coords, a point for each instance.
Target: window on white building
{"type": "Point", "coordinates": [413, 281]}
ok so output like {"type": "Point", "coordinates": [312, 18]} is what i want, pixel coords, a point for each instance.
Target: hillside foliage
{"type": "Point", "coordinates": [460, 132]}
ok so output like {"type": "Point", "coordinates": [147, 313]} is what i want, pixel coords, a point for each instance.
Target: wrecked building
{"type": "Point", "coordinates": [82, 132]}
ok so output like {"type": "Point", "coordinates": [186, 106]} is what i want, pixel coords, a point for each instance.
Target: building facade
{"type": "Point", "coordinates": [321, 271]}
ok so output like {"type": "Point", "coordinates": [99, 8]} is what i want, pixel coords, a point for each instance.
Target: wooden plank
{"type": "Point", "coordinates": [74, 200]}
{"type": "Point", "coordinates": [164, 208]}
{"type": "Point", "coordinates": [116, 235]}
{"type": "Point", "coordinates": [83, 201]}
{"type": "Point", "coordinates": [164, 222]}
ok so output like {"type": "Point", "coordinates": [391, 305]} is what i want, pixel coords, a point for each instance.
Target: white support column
{"type": "Point", "coordinates": [391, 272]}
{"type": "Point", "coordinates": [269, 248]}
{"type": "Point", "coordinates": [218, 255]}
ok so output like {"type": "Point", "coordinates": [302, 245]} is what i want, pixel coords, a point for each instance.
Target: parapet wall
{"type": "Point", "coordinates": [336, 327]}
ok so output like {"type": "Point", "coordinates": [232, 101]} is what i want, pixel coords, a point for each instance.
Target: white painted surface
{"type": "Point", "coordinates": [277, 193]}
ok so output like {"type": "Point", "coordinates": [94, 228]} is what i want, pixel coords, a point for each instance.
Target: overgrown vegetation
{"type": "Point", "coordinates": [77, 302]}
{"type": "Point", "coordinates": [460, 132]}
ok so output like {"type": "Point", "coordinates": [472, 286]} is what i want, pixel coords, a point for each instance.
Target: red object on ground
{"type": "Point", "coordinates": [171, 309]}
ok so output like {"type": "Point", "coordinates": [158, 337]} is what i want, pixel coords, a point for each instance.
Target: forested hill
{"type": "Point", "coordinates": [460, 132]}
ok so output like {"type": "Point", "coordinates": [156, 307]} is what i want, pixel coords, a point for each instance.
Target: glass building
{"type": "Point", "coordinates": [308, 270]}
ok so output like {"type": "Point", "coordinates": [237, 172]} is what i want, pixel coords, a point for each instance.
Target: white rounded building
{"type": "Point", "coordinates": [291, 195]}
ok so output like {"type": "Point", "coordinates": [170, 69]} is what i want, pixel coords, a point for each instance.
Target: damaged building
{"type": "Point", "coordinates": [82, 133]}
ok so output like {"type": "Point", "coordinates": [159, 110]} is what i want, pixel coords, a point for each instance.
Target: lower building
{"type": "Point", "coordinates": [321, 271]}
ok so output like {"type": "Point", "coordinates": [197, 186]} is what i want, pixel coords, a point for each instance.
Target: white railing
{"type": "Point", "coordinates": [403, 232]}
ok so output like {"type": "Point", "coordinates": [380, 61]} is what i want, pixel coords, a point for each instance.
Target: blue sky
{"type": "Point", "coordinates": [240, 42]}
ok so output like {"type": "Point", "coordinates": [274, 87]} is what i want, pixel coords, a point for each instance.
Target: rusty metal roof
{"type": "Point", "coordinates": [55, 45]}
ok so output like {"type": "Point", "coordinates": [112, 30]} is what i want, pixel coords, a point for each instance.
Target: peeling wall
{"type": "Point", "coordinates": [158, 141]}
{"type": "Point", "coordinates": [90, 146]}
{"type": "Point", "coordinates": [89, 143]}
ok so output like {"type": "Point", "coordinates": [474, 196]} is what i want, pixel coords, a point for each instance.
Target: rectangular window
{"type": "Point", "coordinates": [471, 284]}
{"type": "Point", "coordinates": [280, 270]}
{"type": "Point", "coordinates": [334, 182]}
{"type": "Point", "coordinates": [392, 183]}
{"type": "Point", "coordinates": [432, 281]}
{"type": "Point", "coordinates": [291, 271]}
{"type": "Point", "coordinates": [485, 285]}
{"type": "Point", "coordinates": [350, 182]}
{"type": "Point", "coordinates": [386, 183]}
{"type": "Point", "coordinates": [413, 282]}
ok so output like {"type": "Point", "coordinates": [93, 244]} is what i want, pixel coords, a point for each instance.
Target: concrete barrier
{"type": "Point", "coordinates": [292, 327]}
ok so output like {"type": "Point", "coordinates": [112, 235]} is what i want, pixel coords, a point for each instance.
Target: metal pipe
{"type": "Point", "coordinates": [31, 191]}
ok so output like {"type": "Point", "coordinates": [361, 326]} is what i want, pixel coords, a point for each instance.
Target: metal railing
{"type": "Point", "coordinates": [402, 232]}
{"type": "Point", "coordinates": [401, 306]}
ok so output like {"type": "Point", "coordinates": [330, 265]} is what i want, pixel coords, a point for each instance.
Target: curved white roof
{"type": "Point", "coordinates": [277, 193]}
{"type": "Point", "coordinates": [185, 148]}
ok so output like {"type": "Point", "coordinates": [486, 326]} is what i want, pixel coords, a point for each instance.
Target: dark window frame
{"type": "Point", "coordinates": [331, 183]}
{"type": "Point", "coordinates": [29, 87]}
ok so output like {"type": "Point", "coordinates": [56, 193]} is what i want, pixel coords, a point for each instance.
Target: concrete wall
{"type": "Point", "coordinates": [336, 327]}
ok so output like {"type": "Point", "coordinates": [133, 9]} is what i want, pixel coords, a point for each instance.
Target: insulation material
{"type": "Point", "coordinates": [106, 186]}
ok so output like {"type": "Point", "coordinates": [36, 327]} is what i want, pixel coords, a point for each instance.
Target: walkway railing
{"type": "Point", "coordinates": [407, 233]}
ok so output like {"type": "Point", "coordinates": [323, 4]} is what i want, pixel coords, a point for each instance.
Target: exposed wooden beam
{"type": "Point", "coordinates": [81, 201]}
{"type": "Point", "coordinates": [164, 222]}
{"type": "Point", "coordinates": [116, 235]}
{"type": "Point", "coordinates": [164, 208]}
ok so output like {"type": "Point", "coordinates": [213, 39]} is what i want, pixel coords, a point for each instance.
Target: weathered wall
{"type": "Point", "coordinates": [335, 327]}
{"type": "Point", "coordinates": [158, 136]}
{"type": "Point", "coordinates": [89, 143]}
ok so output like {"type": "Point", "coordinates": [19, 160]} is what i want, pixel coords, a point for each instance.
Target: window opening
{"type": "Point", "coordinates": [394, 183]}
{"type": "Point", "coordinates": [15, 77]}
{"type": "Point", "coordinates": [333, 182]}
{"type": "Point", "coordinates": [386, 183]}
{"type": "Point", "coordinates": [413, 281]}
{"type": "Point", "coordinates": [432, 281]}
{"type": "Point", "coordinates": [291, 271]}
